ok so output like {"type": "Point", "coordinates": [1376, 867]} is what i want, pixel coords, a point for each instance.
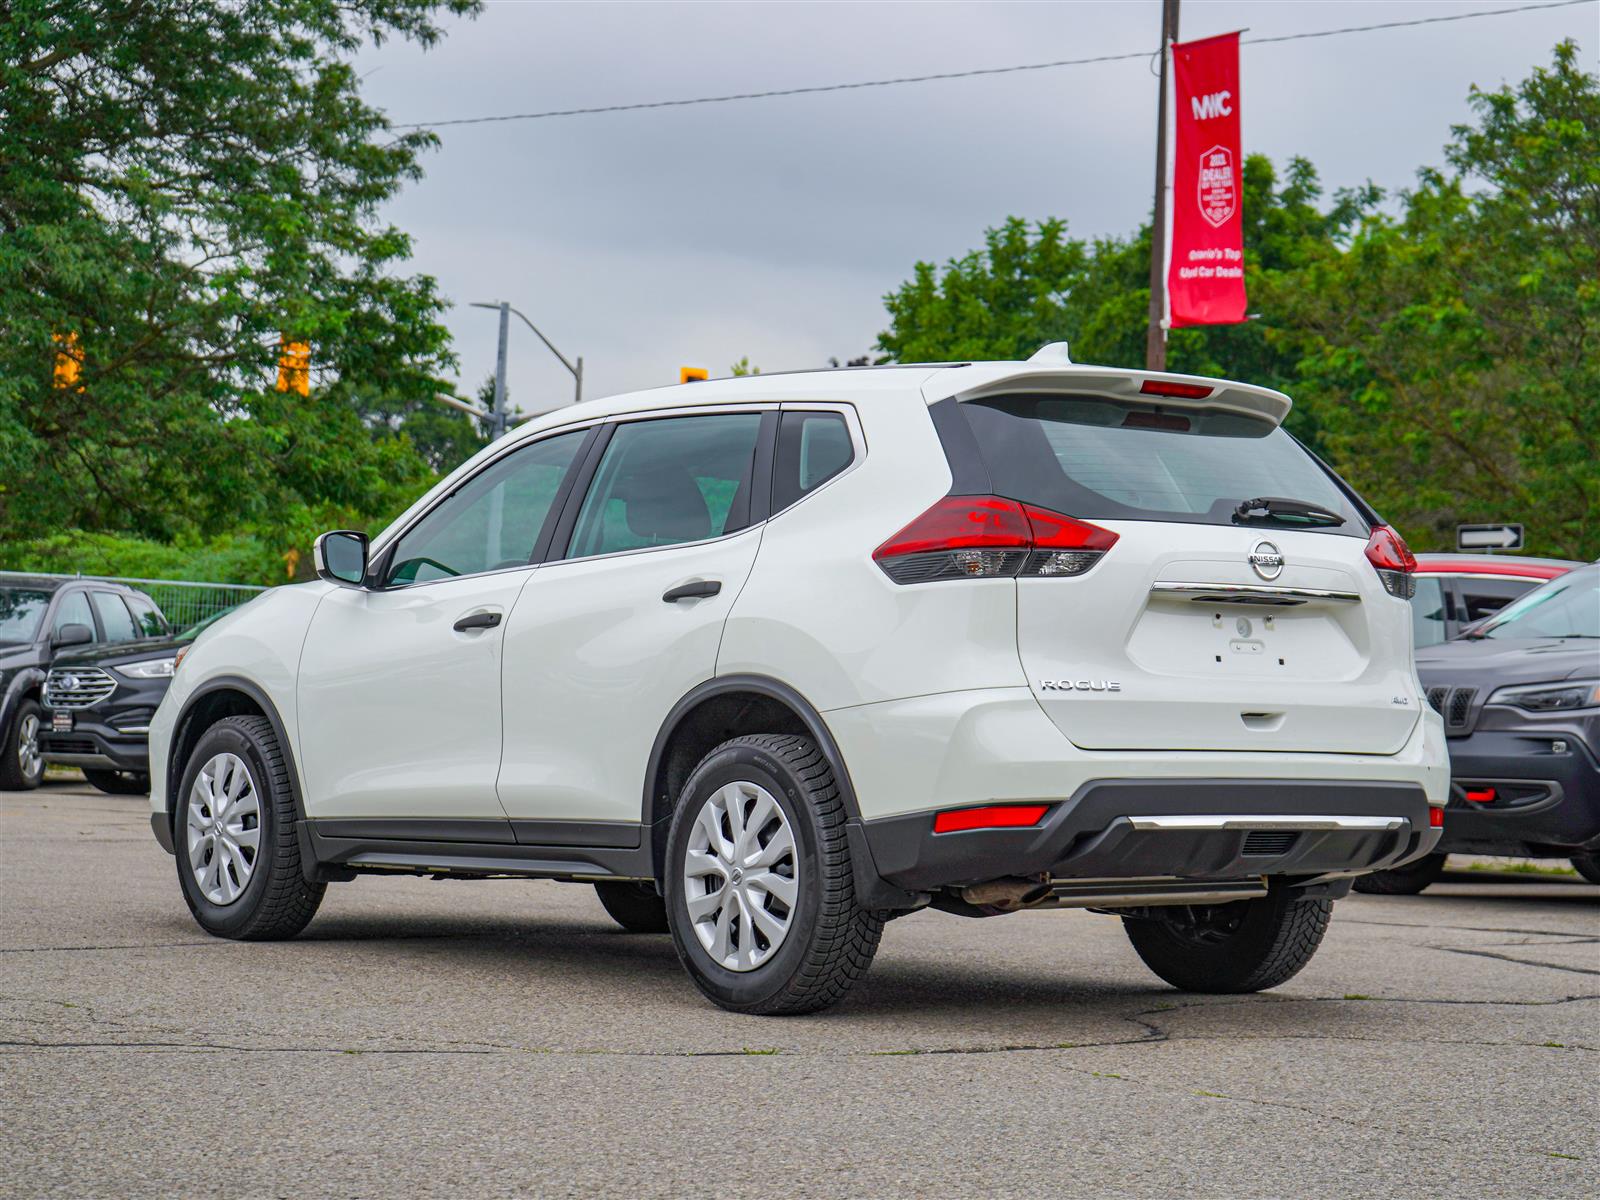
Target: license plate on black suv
{"type": "Point", "coordinates": [61, 722]}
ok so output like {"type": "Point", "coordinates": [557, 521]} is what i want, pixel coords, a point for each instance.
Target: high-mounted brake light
{"type": "Point", "coordinates": [990, 537]}
{"type": "Point", "coordinates": [1180, 391]}
{"type": "Point", "coordinates": [1394, 562]}
{"type": "Point", "coordinates": [990, 816]}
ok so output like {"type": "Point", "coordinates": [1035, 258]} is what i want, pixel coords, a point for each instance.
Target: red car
{"type": "Point", "coordinates": [1455, 590]}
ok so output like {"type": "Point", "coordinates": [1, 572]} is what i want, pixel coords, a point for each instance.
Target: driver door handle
{"type": "Point", "coordinates": [692, 591]}
{"type": "Point", "coordinates": [477, 620]}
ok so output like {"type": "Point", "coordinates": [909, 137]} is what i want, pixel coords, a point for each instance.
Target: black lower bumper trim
{"type": "Point", "coordinates": [1090, 835]}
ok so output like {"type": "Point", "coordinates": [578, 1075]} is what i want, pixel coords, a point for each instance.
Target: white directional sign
{"type": "Point", "coordinates": [1488, 537]}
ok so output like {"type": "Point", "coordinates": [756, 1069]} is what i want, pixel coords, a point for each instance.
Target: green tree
{"type": "Point", "coordinates": [183, 184]}
{"type": "Point", "coordinates": [1451, 351]}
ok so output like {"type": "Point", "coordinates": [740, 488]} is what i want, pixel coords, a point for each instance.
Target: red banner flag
{"type": "Point", "coordinates": [1205, 238]}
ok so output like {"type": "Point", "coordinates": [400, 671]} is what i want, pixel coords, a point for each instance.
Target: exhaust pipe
{"type": "Point", "coordinates": [1007, 894]}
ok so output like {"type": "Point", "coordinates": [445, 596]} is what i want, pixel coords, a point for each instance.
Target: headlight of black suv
{"type": "Point", "coordinates": [1550, 697]}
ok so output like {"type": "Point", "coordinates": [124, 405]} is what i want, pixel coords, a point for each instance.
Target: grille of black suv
{"type": "Point", "coordinates": [55, 743]}
{"type": "Point", "coordinates": [1454, 705]}
{"type": "Point", "coordinates": [77, 687]}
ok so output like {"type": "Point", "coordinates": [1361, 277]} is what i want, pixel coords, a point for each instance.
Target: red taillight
{"type": "Point", "coordinates": [986, 537]}
{"type": "Point", "coordinates": [1435, 817]}
{"type": "Point", "coordinates": [1394, 562]}
{"type": "Point", "coordinates": [1168, 387]}
{"type": "Point", "coordinates": [990, 816]}
{"type": "Point", "coordinates": [1480, 795]}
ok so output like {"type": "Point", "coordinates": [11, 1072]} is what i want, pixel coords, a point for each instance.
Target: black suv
{"type": "Point", "coordinates": [41, 616]}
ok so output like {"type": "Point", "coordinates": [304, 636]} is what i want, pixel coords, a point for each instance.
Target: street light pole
{"type": "Point", "coordinates": [505, 310]}
{"type": "Point", "coordinates": [1155, 350]}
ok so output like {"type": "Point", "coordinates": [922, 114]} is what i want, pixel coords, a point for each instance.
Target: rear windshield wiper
{"type": "Point", "coordinates": [1282, 508]}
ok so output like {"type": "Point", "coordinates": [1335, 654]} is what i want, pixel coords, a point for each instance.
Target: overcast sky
{"type": "Point", "coordinates": [773, 228]}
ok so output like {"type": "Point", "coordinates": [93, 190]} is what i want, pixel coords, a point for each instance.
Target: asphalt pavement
{"type": "Point", "coordinates": [431, 1037]}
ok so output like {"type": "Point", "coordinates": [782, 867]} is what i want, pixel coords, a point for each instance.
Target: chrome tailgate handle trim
{"type": "Point", "coordinates": [1252, 593]}
{"type": "Point", "coordinates": [1295, 823]}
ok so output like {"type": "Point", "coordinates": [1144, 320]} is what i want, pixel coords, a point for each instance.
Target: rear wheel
{"type": "Point", "coordinates": [118, 783]}
{"type": "Point", "coordinates": [1240, 947]}
{"type": "Point", "coordinates": [637, 907]}
{"type": "Point", "coordinates": [238, 850]}
{"type": "Point", "coordinates": [1587, 865]}
{"type": "Point", "coordinates": [22, 762]}
{"type": "Point", "coordinates": [760, 892]}
{"type": "Point", "coordinates": [1408, 880]}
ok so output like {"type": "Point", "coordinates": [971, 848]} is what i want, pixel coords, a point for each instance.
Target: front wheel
{"type": "Point", "coordinates": [760, 892]}
{"type": "Point", "coordinates": [238, 850]}
{"type": "Point", "coordinates": [22, 764]}
{"type": "Point", "coordinates": [1408, 880]}
{"type": "Point", "coordinates": [118, 783]}
{"type": "Point", "coordinates": [1587, 865]}
{"type": "Point", "coordinates": [1245, 946]}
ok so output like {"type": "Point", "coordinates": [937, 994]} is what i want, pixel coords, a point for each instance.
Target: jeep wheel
{"type": "Point", "coordinates": [1408, 880]}
{"type": "Point", "coordinates": [238, 850]}
{"type": "Point", "coordinates": [118, 783]}
{"type": "Point", "coordinates": [760, 894]}
{"type": "Point", "coordinates": [637, 907]}
{"type": "Point", "coordinates": [1240, 947]}
{"type": "Point", "coordinates": [22, 764]}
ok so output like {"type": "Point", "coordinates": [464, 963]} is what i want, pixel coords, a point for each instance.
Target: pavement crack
{"type": "Point", "coordinates": [1521, 962]}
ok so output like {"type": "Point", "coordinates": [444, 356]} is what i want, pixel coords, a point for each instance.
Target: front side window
{"type": "Point", "coordinates": [666, 481]}
{"type": "Point", "coordinates": [813, 447]}
{"type": "Point", "coordinates": [492, 521]}
{"type": "Point", "coordinates": [114, 618]}
{"type": "Point", "coordinates": [73, 610]}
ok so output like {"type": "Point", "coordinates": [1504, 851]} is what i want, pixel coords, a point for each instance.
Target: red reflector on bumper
{"type": "Point", "coordinates": [992, 816]}
{"type": "Point", "coordinates": [1435, 817]}
{"type": "Point", "coordinates": [1481, 795]}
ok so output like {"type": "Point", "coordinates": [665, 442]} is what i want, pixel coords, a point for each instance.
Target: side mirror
{"type": "Point", "coordinates": [341, 557]}
{"type": "Point", "coordinates": [72, 635]}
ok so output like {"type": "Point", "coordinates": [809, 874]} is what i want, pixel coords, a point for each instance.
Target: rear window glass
{"type": "Point", "coordinates": [1090, 457]}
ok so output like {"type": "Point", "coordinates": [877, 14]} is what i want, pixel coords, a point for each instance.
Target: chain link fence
{"type": "Point", "coordinates": [185, 602]}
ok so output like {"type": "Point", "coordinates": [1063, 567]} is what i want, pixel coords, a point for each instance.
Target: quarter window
{"type": "Point", "coordinates": [1427, 612]}
{"type": "Point", "coordinates": [114, 618]}
{"type": "Point", "coordinates": [662, 482]}
{"type": "Point", "coordinates": [147, 618]}
{"type": "Point", "coordinates": [813, 447]}
{"type": "Point", "coordinates": [492, 521]}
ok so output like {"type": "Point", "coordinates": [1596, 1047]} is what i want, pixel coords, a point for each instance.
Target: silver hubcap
{"type": "Point", "coordinates": [224, 828]}
{"type": "Point", "coordinates": [28, 747]}
{"type": "Point", "coordinates": [741, 876]}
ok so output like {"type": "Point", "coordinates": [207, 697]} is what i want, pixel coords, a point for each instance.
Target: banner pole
{"type": "Point", "coordinates": [1155, 347]}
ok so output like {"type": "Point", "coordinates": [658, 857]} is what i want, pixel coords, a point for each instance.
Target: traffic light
{"type": "Point", "coordinates": [69, 361]}
{"type": "Point", "coordinates": [693, 374]}
{"type": "Point", "coordinates": [294, 366]}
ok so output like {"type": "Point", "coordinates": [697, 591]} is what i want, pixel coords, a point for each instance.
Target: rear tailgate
{"type": "Point", "coordinates": [1175, 639]}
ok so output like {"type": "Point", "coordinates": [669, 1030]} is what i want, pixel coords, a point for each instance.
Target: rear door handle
{"type": "Point", "coordinates": [692, 591]}
{"type": "Point", "coordinates": [477, 620]}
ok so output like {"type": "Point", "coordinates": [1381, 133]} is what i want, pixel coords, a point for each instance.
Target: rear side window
{"type": "Point", "coordinates": [147, 617]}
{"type": "Point", "coordinates": [813, 447]}
{"type": "Point", "coordinates": [1427, 612]}
{"type": "Point", "coordinates": [1095, 458]}
{"type": "Point", "coordinates": [666, 481]}
{"type": "Point", "coordinates": [114, 618]}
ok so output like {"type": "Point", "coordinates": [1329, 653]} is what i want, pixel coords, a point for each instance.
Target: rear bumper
{"type": "Point", "coordinates": [1192, 830]}
{"type": "Point", "coordinates": [1546, 803]}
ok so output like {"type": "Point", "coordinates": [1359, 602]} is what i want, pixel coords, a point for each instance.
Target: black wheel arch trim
{"type": "Point", "coordinates": [21, 683]}
{"type": "Point", "coordinates": [257, 696]}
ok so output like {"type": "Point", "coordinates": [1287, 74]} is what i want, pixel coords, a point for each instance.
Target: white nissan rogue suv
{"type": "Point", "coordinates": [770, 661]}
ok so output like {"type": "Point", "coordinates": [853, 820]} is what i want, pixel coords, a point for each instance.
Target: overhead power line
{"type": "Point", "coordinates": [971, 74]}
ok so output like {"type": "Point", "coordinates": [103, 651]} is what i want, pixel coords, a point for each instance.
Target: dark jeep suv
{"type": "Point", "coordinates": [41, 615]}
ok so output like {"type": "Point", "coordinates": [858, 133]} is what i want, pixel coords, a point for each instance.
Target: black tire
{"type": "Point", "coordinates": [1245, 946]}
{"type": "Point", "coordinates": [118, 783]}
{"type": "Point", "coordinates": [278, 901]}
{"type": "Point", "coordinates": [1409, 880]}
{"type": "Point", "coordinates": [1587, 865]}
{"type": "Point", "coordinates": [637, 907]}
{"type": "Point", "coordinates": [13, 776]}
{"type": "Point", "coordinates": [831, 939]}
